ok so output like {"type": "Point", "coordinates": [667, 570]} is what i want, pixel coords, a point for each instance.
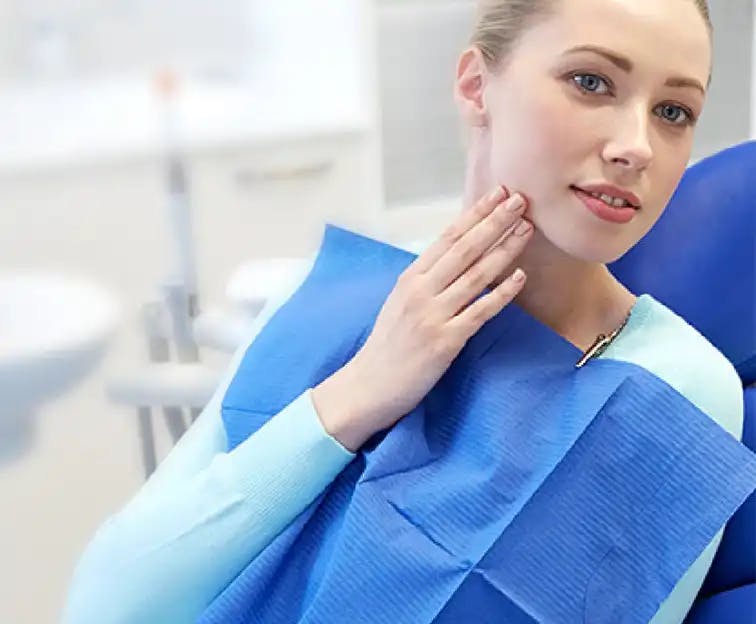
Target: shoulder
{"type": "Point", "coordinates": [665, 344]}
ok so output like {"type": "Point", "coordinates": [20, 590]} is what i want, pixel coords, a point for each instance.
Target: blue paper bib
{"type": "Point", "coordinates": [521, 489]}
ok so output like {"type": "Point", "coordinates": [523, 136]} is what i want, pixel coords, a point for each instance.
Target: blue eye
{"type": "Point", "coordinates": [688, 119]}
{"type": "Point", "coordinates": [589, 82]}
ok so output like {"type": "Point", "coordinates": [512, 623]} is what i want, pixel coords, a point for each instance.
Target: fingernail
{"type": "Point", "coordinates": [516, 202]}
{"type": "Point", "coordinates": [499, 193]}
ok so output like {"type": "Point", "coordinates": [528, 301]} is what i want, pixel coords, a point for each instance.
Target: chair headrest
{"type": "Point", "coordinates": [699, 259]}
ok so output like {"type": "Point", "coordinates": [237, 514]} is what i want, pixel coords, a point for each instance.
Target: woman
{"type": "Point", "coordinates": [561, 98]}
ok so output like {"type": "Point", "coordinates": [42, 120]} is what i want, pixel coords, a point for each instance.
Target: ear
{"type": "Point", "coordinates": [469, 87]}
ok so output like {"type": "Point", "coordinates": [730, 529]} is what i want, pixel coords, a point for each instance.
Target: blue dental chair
{"type": "Point", "coordinates": [700, 261]}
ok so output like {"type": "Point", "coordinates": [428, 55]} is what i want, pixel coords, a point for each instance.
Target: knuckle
{"type": "Point", "coordinates": [506, 293]}
{"type": "Point", "coordinates": [478, 315]}
{"type": "Point", "coordinates": [406, 277]}
{"type": "Point", "coordinates": [499, 220]}
{"type": "Point", "coordinates": [477, 277]}
{"type": "Point", "coordinates": [425, 323]}
{"type": "Point", "coordinates": [449, 235]}
{"type": "Point", "coordinates": [444, 348]}
{"type": "Point", "coordinates": [481, 209]}
{"type": "Point", "coordinates": [413, 300]}
{"type": "Point", "coordinates": [502, 296]}
{"type": "Point", "coordinates": [463, 255]}
{"type": "Point", "coordinates": [416, 295]}
{"type": "Point", "coordinates": [411, 283]}
{"type": "Point", "coordinates": [521, 239]}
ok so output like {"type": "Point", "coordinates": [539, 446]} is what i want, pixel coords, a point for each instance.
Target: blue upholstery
{"type": "Point", "coordinates": [735, 563]}
{"type": "Point", "coordinates": [736, 606]}
{"type": "Point", "coordinates": [700, 261]}
{"type": "Point", "coordinates": [699, 258]}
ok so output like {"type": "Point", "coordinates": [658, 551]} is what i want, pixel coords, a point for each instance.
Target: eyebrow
{"type": "Point", "coordinates": [626, 65]}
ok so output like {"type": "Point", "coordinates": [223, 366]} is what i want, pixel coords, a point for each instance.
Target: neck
{"type": "Point", "coordinates": [575, 299]}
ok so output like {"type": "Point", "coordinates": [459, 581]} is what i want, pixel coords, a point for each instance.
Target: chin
{"type": "Point", "coordinates": [579, 236]}
{"type": "Point", "coordinates": [590, 251]}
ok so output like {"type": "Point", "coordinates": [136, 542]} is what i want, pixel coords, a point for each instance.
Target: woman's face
{"type": "Point", "coordinates": [560, 118]}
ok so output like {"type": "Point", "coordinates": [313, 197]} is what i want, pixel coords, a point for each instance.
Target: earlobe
{"type": "Point", "coordinates": [469, 87]}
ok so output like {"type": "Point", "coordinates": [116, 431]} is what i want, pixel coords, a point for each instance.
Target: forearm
{"type": "Point", "coordinates": [164, 557]}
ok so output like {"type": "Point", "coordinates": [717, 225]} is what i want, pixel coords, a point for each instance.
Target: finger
{"type": "Point", "coordinates": [474, 243]}
{"type": "Point", "coordinates": [457, 228]}
{"type": "Point", "coordinates": [483, 309]}
{"type": "Point", "coordinates": [486, 270]}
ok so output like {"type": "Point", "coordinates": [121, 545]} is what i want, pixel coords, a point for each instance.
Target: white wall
{"type": "Point", "coordinates": [727, 116]}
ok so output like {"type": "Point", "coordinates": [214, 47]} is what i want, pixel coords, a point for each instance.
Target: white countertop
{"type": "Point", "coordinates": [80, 123]}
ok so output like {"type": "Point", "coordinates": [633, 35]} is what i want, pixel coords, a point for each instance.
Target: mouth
{"type": "Point", "coordinates": [608, 200]}
{"type": "Point", "coordinates": [605, 211]}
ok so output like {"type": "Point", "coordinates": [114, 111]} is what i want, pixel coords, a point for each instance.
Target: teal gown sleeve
{"type": "Point", "coordinates": [203, 514]}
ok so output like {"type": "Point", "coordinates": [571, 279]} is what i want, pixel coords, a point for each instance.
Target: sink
{"type": "Point", "coordinates": [54, 329]}
{"type": "Point", "coordinates": [257, 281]}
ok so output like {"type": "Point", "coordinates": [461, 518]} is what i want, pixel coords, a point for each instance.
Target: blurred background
{"type": "Point", "coordinates": [165, 167]}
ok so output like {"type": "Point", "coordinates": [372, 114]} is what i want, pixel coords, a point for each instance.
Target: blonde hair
{"type": "Point", "coordinates": [499, 23]}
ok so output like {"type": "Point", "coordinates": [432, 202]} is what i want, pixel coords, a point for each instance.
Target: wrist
{"type": "Point", "coordinates": [338, 408]}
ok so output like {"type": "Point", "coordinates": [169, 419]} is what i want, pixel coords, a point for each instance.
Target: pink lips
{"type": "Point", "coordinates": [605, 211]}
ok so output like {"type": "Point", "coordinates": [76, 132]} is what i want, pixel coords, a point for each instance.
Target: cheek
{"type": "Point", "coordinates": [555, 129]}
{"type": "Point", "coordinates": [531, 140]}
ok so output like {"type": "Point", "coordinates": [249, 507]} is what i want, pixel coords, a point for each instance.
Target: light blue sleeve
{"type": "Point", "coordinates": [203, 515]}
{"type": "Point", "coordinates": [718, 390]}
{"type": "Point", "coordinates": [206, 437]}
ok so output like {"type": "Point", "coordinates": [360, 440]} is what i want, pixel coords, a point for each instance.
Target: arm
{"type": "Point", "coordinates": [204, 513]}
{"type": "Point", "coordinates": [206, 437]}
{"type": "Point", "coordinates": [165, 556]}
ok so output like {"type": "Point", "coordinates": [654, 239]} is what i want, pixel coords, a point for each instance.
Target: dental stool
{"type": "Point", "coordinates": [699, 260]}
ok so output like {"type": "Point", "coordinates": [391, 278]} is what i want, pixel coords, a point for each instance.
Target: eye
{"type": "Point", "coordinates": [589, 83]}
{"type": "Point", "coordinates": [671, 114]}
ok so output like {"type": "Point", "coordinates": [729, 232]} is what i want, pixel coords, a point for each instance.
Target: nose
{"type": "Point", "coordinates": [629, 147]}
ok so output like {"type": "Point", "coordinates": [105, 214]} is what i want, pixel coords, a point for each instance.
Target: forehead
{"type": "Point", "coordinates": [667, 37]}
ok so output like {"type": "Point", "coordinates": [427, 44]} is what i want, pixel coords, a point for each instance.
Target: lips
{"type": "Point", "coordinates": [604, 211]}
{"type": "Point", "coordinates": [612, 191]}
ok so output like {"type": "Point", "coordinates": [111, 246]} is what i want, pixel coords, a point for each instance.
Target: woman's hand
{"type": "Point", "coordinates": [427, 319]}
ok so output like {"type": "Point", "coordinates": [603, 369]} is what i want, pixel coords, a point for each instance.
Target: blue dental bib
{"type": "Point", "coordinates": [520, 490]}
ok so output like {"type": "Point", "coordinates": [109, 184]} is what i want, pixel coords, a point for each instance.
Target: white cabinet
{"type": "Point", "coordinates": [248, 201]}
{"type": "Point", "coordinates": [104, 221]}
{"type": "Point", "coordinates": [273, 200]}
